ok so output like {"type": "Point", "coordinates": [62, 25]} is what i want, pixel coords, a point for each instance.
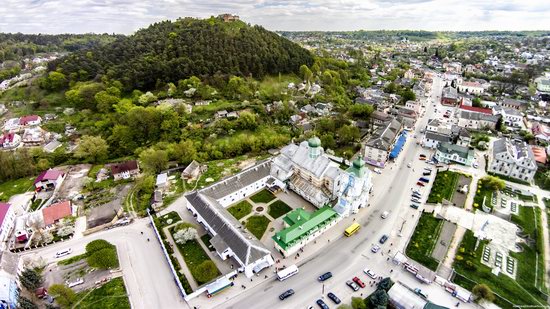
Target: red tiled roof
{"type": "Point", "coordinates": [6, 137]}
{"type": "Point", "coordinates": [124, 167]}
{"type": "Point", "coordinates": [26, 119]}
{"type": "Point", "coordinates": [56, 211]}
{"type": "Point", "coordinates": [477, 109]}
{"type": "Point", "coordinates": [48, 175]}
{"type": "Point", "coordinates": [540, 154]}
{"type": "Point", "coordinates": [4, 207]}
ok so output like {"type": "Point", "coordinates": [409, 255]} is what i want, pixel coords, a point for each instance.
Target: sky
{"type": "Point", "coordinates": [127, 16]}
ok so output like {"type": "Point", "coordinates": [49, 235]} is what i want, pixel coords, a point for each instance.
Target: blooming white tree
{"type": "Point", "coordinates": [185, 234]}
{"type": "Point", "coordinates": [65, 230]}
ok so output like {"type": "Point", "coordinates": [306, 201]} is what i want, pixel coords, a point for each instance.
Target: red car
{"type": "Point", "coordinates": [420, 183]}
{"type": "Point", "coordinates": [358, 281]}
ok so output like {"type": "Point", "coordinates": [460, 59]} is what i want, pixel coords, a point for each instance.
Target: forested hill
{"type": "Point", "coordinates": [170, 51]}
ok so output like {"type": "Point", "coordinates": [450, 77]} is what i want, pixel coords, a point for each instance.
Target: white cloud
{"type": "Point", "coordinates": [126, 16]}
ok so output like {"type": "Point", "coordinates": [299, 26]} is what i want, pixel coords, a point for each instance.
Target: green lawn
{"type": "Point", "coordinates": [443, 187]}
{"type": "Point", "coordinates": [206, 241]}
{"type": "Point", "coordinates": [542, 178]}
{"type": "Point", "coordinates": [470, 271]}
{"type": "Point", "coordinates": [112, 295]}
{"type": "Point", "coordinates": [263, 196]}
{"type": "Point", "coordinates": [423, 240]}
{"type": "Point", "coordinates": [168, 219]}
{"type": "Point", "coordinates": [482, 193]}
{"type": "Point", "coordinates": [13, 187]}
{"type": "Point", "coordinates": [194, 255]}
{"type": "Point", "coordinates": [278, 209]}
{"type": "Point", "coordinates": [72, 259]}
{"type": "Point", "coordinates": [35, 204]}
{"type": "Point", "coordinates": [92, 173]}
{"type": "Point", "coordinates": [257, 225]}
{"type": "Point", "coordinates": [240, 210]}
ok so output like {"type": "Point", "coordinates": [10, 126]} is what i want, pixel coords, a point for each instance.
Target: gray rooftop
{"type": "Point", "coordinates": [238, 181]}
{"type": "Point", "coordinates": [384, 137]}
{"type": "Point", "coordinates": [463, 152]}
{"type": "Point", "coordinates": [438, 137]}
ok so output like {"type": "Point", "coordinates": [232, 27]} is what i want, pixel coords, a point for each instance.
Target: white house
{"type": "Point", "coordinates": [9, 140]}
{"type": "Point", "coordinates": [471, 88]}
{"type": "Point", "coordinates": [30, 121]}
{"type": "Point", "coordinates": [12, 125]}
{"type": "Point", "coordinates": [512, 158]}
{"type": "Point", "coordinates": [511, 117]}
{"type": "Point", "coordinates": [7, 221]}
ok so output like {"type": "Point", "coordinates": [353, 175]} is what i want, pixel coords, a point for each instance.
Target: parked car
{"type": "Point", "coordinates": [409, 164]}
{"type": "Point", "coordinates": [352, 285]}
{"type": "Point", "coordinates": [424, 179]}
{"type": "Point", "coordinates": [63, 253]}
{"type": "Point", "coordinates": [416, 191]}
{"type": "Point", "coordinates": [414, 206]}
{"type": "Point", "coordinates": [384, 215]}
{"type": "Point", "coordinates": [420, 293]}
{"type": "Point", "coordinates": [383, 239]}
{"type": "Point", "coordinates": [415, 201]}
{"type": "Point", "coordinates": [377, 171]}
{"type": "Point", "coordinates": [334, 298]}
{"type": "Point", "coordinates": [325, 276]}
{"type": "Point", "coordinates": [426, 173]}
{"type": "Point", "coordinates": [416, 195]}
{"type": "Point", "coordinates": [322, 304]}
{"type": "Point", "coordinates": [369, 273]}
{"type": "Point", "coordinates": [359, 282]}
{"type": "Point", "coordinates": [78, 281]}
{"type": "Point", "coordinates": [419, 183]}
{"type": "Point", "coordinates": [286, 294]}
{"type": "Point", "coordinates": [375, 248]}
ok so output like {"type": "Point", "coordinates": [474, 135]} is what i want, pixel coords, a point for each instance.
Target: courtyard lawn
{"type": "Point", "coordinates": [423, 240]}
{"type": "Point", "coordinates": [469, 271]}
{"type": "Point", "coordinates": [263, 196]}
{"type": "Point", "coordinates": [168, 219]}
{"type": "Point", "coordinates": [240, 210]}
{"type": "Point", "coordinates": [112, 295]}
{"type": "Point", "coordinates": [257, 225]}
{"type": "Point", "coordinates": [194, 255]}
{"type": "Point", "coordinates": [278, 209]}
{"type": "Point", "coordinates": [206, 241]}
{"type": "Point", "coordinates": [483, 193]}
{"type": "Point", "coordinates": [443, 187]}
{"type": "Point", "coordinates": [13, 187]}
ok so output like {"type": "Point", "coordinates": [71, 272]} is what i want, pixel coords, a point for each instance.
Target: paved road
{"type": "Point", "coordinates": [145, 270]}
{"type": "Point", "coordinates": [347, 257]}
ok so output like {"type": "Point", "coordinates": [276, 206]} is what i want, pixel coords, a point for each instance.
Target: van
{"type": "Point", "coordinates": [385, 215]}
{"type": "Point", "coordinates": [63, 253]}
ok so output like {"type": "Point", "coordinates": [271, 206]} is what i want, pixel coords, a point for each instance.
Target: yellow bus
{"type": "Point", "coordinates": [352, 229]}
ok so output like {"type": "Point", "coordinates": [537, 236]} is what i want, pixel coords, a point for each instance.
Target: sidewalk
{"type": "Point", "coordinates": [180, 259]}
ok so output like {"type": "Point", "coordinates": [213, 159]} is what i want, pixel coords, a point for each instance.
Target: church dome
{"type": "Point", "coordinates": [314, 142]}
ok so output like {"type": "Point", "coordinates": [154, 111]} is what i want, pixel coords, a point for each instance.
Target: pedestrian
{"type": "Point", "coordinates": [391, 271]}
{"type": "Point", "coordinates": [353, 219]}
{"type": "Point", "coordinates": [231, 266]}
{"type": "Point", "coordinates": [265, 277]}
{"type": "Point", "coordinates": [391, 244]}
{"type": "Point", "coordinates": [387, 259]}
{"type": "Point", "coordinates": [142, 233]}
{"type": "Point", "coordinates": [250, 279]}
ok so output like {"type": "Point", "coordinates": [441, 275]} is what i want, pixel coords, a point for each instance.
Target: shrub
{"type": "Point", "coordinates": [206, 271]}
{"type": "Point", "coordinates": [30, 279]}
{"type": "Point", "coordinates": [184, 235]}
{"type": "Point", "coordinates": [104, 258]}
{"type": "Point", "coordinates": [482, 291]}
{"type": "Point", "coordinates": [64, 296]}
{"type": "Point", "coordinates": [97, 245]}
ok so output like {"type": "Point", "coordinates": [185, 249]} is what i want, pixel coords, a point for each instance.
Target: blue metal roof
{"type": "Point", "coordinates": [398, 145]}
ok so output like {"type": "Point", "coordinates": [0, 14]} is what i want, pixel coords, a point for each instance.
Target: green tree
{"type": "Point", "coordinates": [407, 95]}
{"type": "Point", "coordinates": [379, 298]}
{"type": "Point", "coordinates": [105, 101]}
{"type": "Point", "coordinates": [30, 279]}
{"type": "Point", "coordinates": [184, 152]}
{"type": "Point", "coordinates": [98, 244]}
{"type": "Point", "coordinates": [358, 303]}
{"type": "Point", "coordinates": [348, 134]}
{"type": "Point", "coordinates": [385, 284]}
{"type": "Point", "coordinates": [93, 149]}
{"type": "Point", "coordinates": [247, 121]}
{"type": "Point", "coordinates": [493, 183]}
{"type": "Point", "coordinates": [390, 88]}
{"type": "Point", "coordinates": [153, 161]}
{"type": "Point", "coordinates": [361, 111]}
{"type": "Point", "coordinates": [103, 259]}
{"type": "Point", "coordinates": [306, 73]}
{"type": "Point", "coordinates": [63, 295]}
{"type": "Point", "coordinates": [206, 271]}
{"type": "Point", "coordinates": [476, 102]}
{"type": "Point", "coordinates": [53, 81]}
{"type": "Point", "coordinates": [482, 291]}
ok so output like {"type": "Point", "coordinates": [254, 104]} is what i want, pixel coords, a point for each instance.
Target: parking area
{"type": "Point", "coordinates": [79, 274]}
{"type": "Point", "coordinates": [459, 197]}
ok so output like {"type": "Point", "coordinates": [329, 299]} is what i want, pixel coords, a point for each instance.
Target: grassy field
{"type": "Point", "coordinates": [278, 209]}
{"type": "Point", "coordinates": [423, 240]}
{"type": "Point", "coordinates": [257, 225]}
{"type": "Point", "coordinates": [206, 241]}
{"type": "Point", "coordinates": [13, 187]}
{"type": "Point", "coordinates": [194, 255]}
{"type": "Point", "coordinates": [240, 210]}
{"type": "Point", "coordinates": [470, 271]}
{"type": "Point", "coordinates": [443, 187]}
{"type": "Point", "coordinates": [111, 295]}
{"type": "Point", "coordinates": [482, 193]}
{"type": "Point", "coordinates": [72, 259]}
{"type": "Point", "coordinates": [263, 196]}
{"type": "Point", "coordinates": [168, 219]}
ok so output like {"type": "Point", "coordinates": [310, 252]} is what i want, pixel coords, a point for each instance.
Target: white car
{"type": "Point", "coordinates": [375, 248]}
{"type": "Point", "coordinates": [384, 215]}
{"type": "Point", "coordinates": [377, 171]}
{"type": "Point", "coordinates": [74, 283]}
{"type": "Point", "coordinates": [409, 165]}
{"type": "Point", "coordinates": [475, 165]}
{"type": "Point", "coordinates": [63, 253]}
{"type": "Point", "coordinates": [369, 273]}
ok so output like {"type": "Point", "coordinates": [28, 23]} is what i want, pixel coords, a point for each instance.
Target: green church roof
{"type": "Point", "coordinates": [314, 142]}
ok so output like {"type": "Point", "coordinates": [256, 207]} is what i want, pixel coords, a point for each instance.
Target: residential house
{"type": "Point", "coordinates": [49, 179]}
{"type": "Point", "coordinates": [471, 88]}
{"type": "Point", "coordinates": [162, 182]}
{"type": "Point", "coordinates": [541, 131]}
{"type": "Point", "coordinates": [540, 155]}
{"type": "Point", "coordinates": [379, 118]}
{"type": "Point", "coordinates": [451, 153]}
{"type": "Point", "coordinates": [414, 105]}
{"type": "Point", "coordinates": [449, 96]}
{"type": "Point", "coordinates": [221, 114]}
{"type": "Point", "coordinates": [7, 221]}
{"type": "Point", "coordinates": [232, 115]}
{"type": "Point", "coordinates": [476, 118]}
{"type": "Point", "coordinates": [436, 133]}
{"type": "Point", "coordinates": [124, 170]}
{"type": "Point", "coordinates": [193, 170]}
{"type": "Point", "coordinates": [378, 147]}
{"type": "Point", "coordinates": [512, 158]}
{"type": "Point", "coordinates": [9, 140]}
{"type": "Point", "coordinates": [229, 17]}
{"type": "Point", "coordinates": [543, 84]}
{"type": "Point", "coordinates": [12, 125]}
{"type": "Point", "coordinates": [52, 146]}
{"type": "Point", "coordinates": [515, 104]}
{"type": "Point", "coordinates": [30, 121]}
{"type": "Point", "coordinates": [510, 116]}
{"type": "Point", "coordinates": [407, 112]}
{"type": "Point", "coordinates": [3, 109]}
{"type": "Point", "coordinates": [409, 74]}
{"type": "Point", "coordinates": [34, 136]}
{"type": "Point", "coordinates": [55, 212]}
